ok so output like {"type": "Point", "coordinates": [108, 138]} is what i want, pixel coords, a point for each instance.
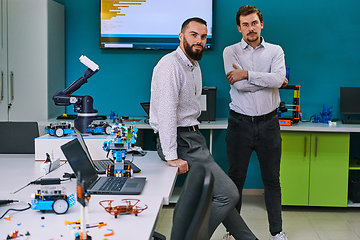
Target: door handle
{"type": "Point", "coordinates": [305, 147]}
{"type": "Point", "coordinates": [12, 85]}
{"type": "Point", "coordinates": [1, 22]}
{"type": "Point", "coordinates": [316, 146]}
{"type": "Point", "coordinates": [2, 86]}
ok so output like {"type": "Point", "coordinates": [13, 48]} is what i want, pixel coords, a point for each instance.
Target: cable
{"type": "Point", "coordinates": [4, 202]}
{"type": "Point", "coordinates": [37, 180]}
{"type": "Point", "coordinates": [309, 119]}
{"type": "Point", "coordinates": [13, 209]}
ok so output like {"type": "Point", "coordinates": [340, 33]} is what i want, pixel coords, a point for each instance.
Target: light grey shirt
{"type": "Point", "coordinates": [259, 94]}
{"type": "Point", "coordinates": [176, 88]}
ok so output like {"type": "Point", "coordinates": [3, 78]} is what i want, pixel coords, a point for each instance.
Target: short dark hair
{"type": "Point", "coordinates": [246, 10]}
{"type": "Point", "coordinates": [195, 19]}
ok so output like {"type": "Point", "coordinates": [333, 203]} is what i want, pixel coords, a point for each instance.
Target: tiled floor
{"type": "Point", "coordinates": [300, 223]}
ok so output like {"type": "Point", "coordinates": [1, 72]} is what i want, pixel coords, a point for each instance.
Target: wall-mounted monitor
{"type": "Point", "coordinates": [150, 24]}
{"type": "Point", "coordinates": [350, 100]}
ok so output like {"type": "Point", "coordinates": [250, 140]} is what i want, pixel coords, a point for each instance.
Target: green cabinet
{"type": "Point", "coordinates": [314, 168]}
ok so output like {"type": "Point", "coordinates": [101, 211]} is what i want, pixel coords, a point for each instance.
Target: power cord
{"type": "Point", "coordinates": [3, 202]}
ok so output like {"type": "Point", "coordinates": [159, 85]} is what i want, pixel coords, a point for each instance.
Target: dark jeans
{"type": "Point", "coordinates": [192, 148]}
{"type": "Point", "coordinates": [245, 136]}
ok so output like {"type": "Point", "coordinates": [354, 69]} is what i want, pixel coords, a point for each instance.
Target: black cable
{"type": "Point", "coordinates": [17, 210]}
{"type": "Point", "coordinates": [4, 202]}
{"type": "Point", "coordinates": [313, 116]}
{"type": "Point", "coordinates": [68, 176]}
{"type": "Point", "coordinates": [38, 180]}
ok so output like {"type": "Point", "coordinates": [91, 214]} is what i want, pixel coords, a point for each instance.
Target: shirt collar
{"type": "Point", "coordinates": [185, 59]}
{"type": "Point", "coordinates": [244, 44]}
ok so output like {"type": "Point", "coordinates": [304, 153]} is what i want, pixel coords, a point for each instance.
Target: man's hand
{"type": "Point", "coordinates": [285, 83]}
{"type": "Point", "coordinates": [236, 75]}
{"type": "Point", "coordinates": [181, 164]}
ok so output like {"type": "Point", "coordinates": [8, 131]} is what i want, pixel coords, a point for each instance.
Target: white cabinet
{"type": "Point", "coordinates": [32, 59]}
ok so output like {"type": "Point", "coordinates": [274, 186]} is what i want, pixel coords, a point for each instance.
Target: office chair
{"type": "Point", "coordinates": [18, 137]}
{"type": "Point", "coordinates": [192, 210]}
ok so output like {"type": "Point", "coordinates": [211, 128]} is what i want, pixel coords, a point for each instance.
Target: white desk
{"type": "Point", "coordinates": [19, 170]}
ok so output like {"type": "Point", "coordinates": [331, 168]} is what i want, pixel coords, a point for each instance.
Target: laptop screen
{"type": "Point", "coordinates": [82, 142]}
{"type": "Point", "coordinates": [146, 107]}
{"type": "Point", "coordinates": [79, 161]}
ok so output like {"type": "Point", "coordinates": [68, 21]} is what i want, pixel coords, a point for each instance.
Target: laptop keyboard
{"type": "Point", "coordinates": [103, 164]}
{"type": "Point", "coordinates": [113, 183]}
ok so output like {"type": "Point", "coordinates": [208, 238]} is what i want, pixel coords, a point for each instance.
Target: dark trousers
{"type": "Point", "coordinates": [192, 148]}
{"type": "Point", "coordinates": [245, 136]}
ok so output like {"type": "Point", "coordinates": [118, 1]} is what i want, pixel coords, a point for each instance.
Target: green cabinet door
{"type": "Point", "coordinates": [294, 168]}
{"type": "Point", "coordinates": [329, 169]}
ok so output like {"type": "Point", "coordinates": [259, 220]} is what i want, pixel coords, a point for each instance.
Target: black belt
{"type": "Point", "coordinates": [188, 129]}
{"type": "Point", "coordinates": [264, 117]}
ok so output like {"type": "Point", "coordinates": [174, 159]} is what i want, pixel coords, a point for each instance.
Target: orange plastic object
{"type": "Point", "coordinates": [128, 208]}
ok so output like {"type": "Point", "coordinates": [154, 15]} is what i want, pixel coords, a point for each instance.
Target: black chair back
{"type": "Point", "coordinates": [18, 137]}
{"type": "Point", "coordinates": [192, 210]}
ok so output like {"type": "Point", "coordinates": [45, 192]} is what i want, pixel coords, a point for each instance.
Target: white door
{"type": "Point", "coordinates": [27, 59]}
{"type": "Point", "coordinates": [3, 61]}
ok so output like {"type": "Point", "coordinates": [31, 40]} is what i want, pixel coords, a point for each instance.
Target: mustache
{"type": "Point", "coordinates": [197, 45]}
{"type": "Point", "coordinates": [251, 33]}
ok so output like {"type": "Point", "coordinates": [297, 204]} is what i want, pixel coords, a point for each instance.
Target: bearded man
{"type": "Point", "coordinates": [176, 88]}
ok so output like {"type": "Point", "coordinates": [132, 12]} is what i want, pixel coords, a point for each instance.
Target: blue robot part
{"type": "Point", "coordinates": [52, 198]}
{"type": "Point", "coordinates": [125, 137]}
{"type": "Point", "coordinates": [99, 127]}
{"type": "Point", "coordinates": [59, 129]}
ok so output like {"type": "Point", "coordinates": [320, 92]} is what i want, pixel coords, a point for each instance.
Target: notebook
{"type": "Point", "coordinates": [102, 165]}
{"type": "Point", "coordinates": [81, 162]}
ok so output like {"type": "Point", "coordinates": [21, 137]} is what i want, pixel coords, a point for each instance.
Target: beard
{"type": "Point", "coordinates": [195, 55]}
{"type": "Point", "coordinates": [253, 39]}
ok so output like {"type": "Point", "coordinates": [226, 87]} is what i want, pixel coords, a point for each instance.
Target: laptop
{"type": "Point", "coordinates": [81, 162]}
{"type": "Point", "coordinates": [146, 107]}
{"type": "Point", "coordinates": [102, 165]}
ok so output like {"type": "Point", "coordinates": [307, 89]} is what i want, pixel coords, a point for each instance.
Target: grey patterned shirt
{"type": "Point", "coordinates": [176, 88]}
{"type": "Point", "coordinates": [265, 64]}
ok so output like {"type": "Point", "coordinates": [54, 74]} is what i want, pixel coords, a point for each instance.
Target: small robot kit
{"type": "Point", "coordinates": [59, 129]}
{"type": "Point", "coordinates": [125, 137]}
{"type": "Point", "coordinates": [99, 127]}
{"type": "Point", "coordinates": [52, 196]}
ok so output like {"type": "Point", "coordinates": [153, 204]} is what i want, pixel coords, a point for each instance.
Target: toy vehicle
{"type": "Point", "coordinates": [59, 129]}
{"type": "Point", "coordinates": [98, 127]}
{"type": "Point", "coordinates": [52, 198]}
{"type": "Point", "coordinates": [129, 208]}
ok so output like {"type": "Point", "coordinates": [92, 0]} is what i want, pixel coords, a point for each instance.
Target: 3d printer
{"type": "Point", "coordinates": [294, 107]}
{"type": "Point", "coordinates": [83, 105]}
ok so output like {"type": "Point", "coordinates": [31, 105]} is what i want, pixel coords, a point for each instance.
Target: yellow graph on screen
{"type": "Point", "coordinates": [110, 8]}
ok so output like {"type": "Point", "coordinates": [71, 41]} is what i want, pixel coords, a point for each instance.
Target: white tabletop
{"type": "Point", "coordinates": [18, 170]}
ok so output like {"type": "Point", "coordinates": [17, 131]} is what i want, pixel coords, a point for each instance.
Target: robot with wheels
{"type": "Point", "coordinates": [52, 198]}
{"type": "Point", "coordinates": [98, 127]}
{"type": "Point", "coordinates": [59, 129]}
{"type": "Point", "coordinates": [83, 105]}
{"type": "Point", "coordinates": [125, 138]}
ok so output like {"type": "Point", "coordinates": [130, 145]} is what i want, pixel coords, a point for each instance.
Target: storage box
{"type": "Point", "coordinates": [208, 104]}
